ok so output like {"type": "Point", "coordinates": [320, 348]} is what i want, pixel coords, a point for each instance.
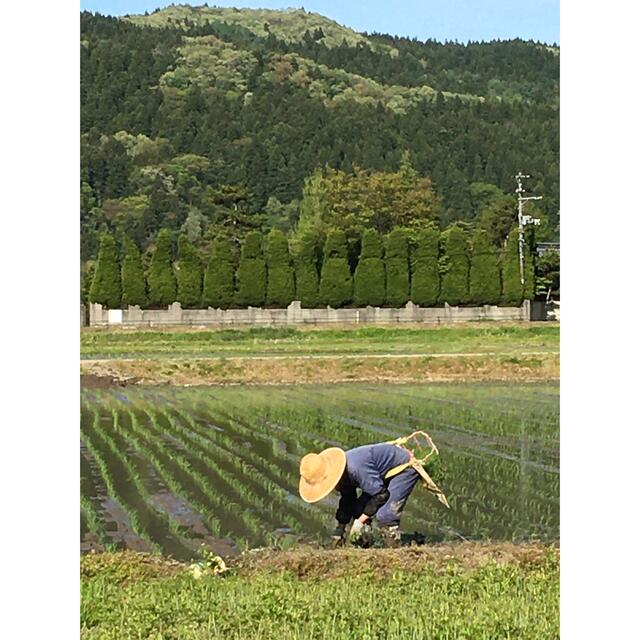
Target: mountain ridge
{"type": "Point", "coordinates": [283, 23]}
{"type": "Point", "coordinates": [230, 123]}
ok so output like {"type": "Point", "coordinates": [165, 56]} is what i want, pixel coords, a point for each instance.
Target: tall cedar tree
{"type": "Point", "coordinates": [425, 277]}
{"type": "Point", "coordinates": [397, 262]}
{"type": "Point", "coordinates": [454, 288]}
{"type": "Point", "coordinates": [306, 264]}
{"type": "Point", "coordinates": [369, 278]}
{"type": "Point", "coordinates": [218, 289]}
{"type": "Point", "coordinates": [134, 286]}
{"type": "Point", "coordinates": [161, 278]}
{"type": "Point", "coordinates": [512, 289]}
{"type": "Point", "coordinates": [336, 283]}
{"type": "Point", "coordinates": [188, 274]}
{"type": "Point", "coordinates": [251, 278]}
{"type": "Point", "coordinates": [105, 287]}
{"type": "Point", "coordinates": [484, 275]}
{"type": "Point", "coordinates": [280, 280]}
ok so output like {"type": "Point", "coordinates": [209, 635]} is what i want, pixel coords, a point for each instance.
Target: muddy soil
{"type": "Point", "coordinates": [102, 381]}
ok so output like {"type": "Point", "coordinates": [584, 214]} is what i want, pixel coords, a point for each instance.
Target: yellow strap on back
{"type": "Point", "coordinates": [396, 470]}
{"type": "Point", "coordinates": [429, 484]}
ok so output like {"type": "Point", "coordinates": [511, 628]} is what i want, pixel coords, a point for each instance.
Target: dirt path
{"type": "Point", "coordinates": [326, 356]}
{"type": "Point", "coordinates": [389, 368]}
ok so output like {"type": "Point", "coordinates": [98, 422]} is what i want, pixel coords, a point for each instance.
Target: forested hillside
{"type": "Point", "coordinates": [210, 121]}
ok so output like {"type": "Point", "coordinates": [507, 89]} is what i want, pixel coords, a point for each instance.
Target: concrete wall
{"type": "Point", "coordinates": [294, 314]}
{"type": "Point", "coordinates": [83, 315]}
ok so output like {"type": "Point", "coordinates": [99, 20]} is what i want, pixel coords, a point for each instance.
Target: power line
{"type": "Point", "coordinates": [522, 219]}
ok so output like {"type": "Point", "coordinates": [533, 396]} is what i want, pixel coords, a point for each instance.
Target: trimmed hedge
{"type": "Point", "coordinates": [251, 277]}
{"type": "Point", "coordinates": [397, 264]}
{"type": "Point", "coordinates": [161, 277]}
{"type": "Point", "coordinates": [306, 268]}
{"type": "Point", "coordinates": [219, 280]}
{"type": "Point", "coordinates": [134, 287]}
{"type": "Point", "coordinates": [440, 267]}
{"type": "Point", "coordinates": [336, 283]}
{"type": "Point", "coordinates": [280, 280]}
{"type": "Point", "coordinates": [188, 274]}
{"type": "Point", "coordinates": [425, 274]}
{"type": "Point", "coordinates": [454, 288]}
{"type": "Point", "coordinates": [369, 282]}
{"type": "Point", "coordinates": [105, 286]}
{"type": "Point", "coordinates": [425, 277]}
{"type": "Point", "coordinates": [484, 275]}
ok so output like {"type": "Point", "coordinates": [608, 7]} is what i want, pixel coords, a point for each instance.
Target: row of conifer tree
{"type": "Point", "coordinates": [428, 267]}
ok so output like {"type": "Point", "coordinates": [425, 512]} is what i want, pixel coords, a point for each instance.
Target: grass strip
{"type": "Point", "coordinates": [440, 601]}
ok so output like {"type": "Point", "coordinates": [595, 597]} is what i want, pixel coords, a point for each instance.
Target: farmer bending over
{"type": "Point", "coordinates": [363, 468]}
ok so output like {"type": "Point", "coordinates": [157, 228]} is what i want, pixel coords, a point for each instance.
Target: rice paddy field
{"type": "Point", "coordinates": [170, 469]}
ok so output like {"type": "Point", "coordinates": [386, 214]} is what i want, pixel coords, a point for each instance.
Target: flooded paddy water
{"type": "Point", "coordinates": [170, 469]}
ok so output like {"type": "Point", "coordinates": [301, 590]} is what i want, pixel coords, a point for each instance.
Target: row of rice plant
{"type": "Point", "coordinates": [123, 474]}
{"type": "Point", "coordinates": [519, 491]}
{"type": "Point", "coordinates": [231, 455]}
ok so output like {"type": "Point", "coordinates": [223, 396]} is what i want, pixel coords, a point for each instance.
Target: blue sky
{"type": "Point", "coordinates": [460, 20]}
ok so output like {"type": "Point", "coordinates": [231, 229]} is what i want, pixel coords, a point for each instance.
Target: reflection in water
{"type": "Point", "coordinates": [189, 465]}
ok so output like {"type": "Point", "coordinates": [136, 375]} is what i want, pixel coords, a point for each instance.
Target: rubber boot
{"type": "Point", "coordinates": [338, 536]}
{"type": "Point", "coordinates": [391, 536]}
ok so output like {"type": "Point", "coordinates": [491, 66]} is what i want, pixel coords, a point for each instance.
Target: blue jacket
{"type": "Point", "coordinates": [366, 469]}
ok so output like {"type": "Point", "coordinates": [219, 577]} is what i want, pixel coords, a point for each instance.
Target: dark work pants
{"type": "Point", "coordinates": [400, 488]}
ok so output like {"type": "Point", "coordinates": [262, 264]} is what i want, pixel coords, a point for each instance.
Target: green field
{"type": "Point", "coordinates": [124, 598]}
{"type": "Point", "coordinates": [477, 338]}
{"type": "Point", "coordinates": [166, 468]}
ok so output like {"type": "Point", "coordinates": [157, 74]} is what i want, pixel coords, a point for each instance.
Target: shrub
{"type": "Point", "coordinates": [306, 267]}
{"type": "Point", "coordinates": [369, 282]}
{"type": "Point", "coordinates": [161, 278]}
{"type": "Point", "coordinates": [134, 287]}
{"type": "Point", "coordinates": [218, 288]}
{"type": "Point", "coordinates": [105, 286]}
{"type": "Point", "coordinates": [336, 283]}
{"type": "Point", "coordinates": [454, 289]}
{"type": "Point", "coordinates": [189, 274]}
{"type": "Point", "coordinates": [397, 266]}
{"type": "Point", "coordinates": [251, 277]}
{"type": "Point", "coordinates": [425, 278]}
{"type": "Point", "coordinates": [484, 275]}
{"type": "Point", "coordinates": [512, 289]}
{"type": "Point", "coordinates": [280, 281]}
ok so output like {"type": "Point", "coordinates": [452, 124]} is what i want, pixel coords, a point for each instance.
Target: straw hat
{"type": "Point", "coordinates": [320, 473]}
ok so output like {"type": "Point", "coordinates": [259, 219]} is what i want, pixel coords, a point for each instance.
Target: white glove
{"type": "Point", "coordinates": [356, 529]}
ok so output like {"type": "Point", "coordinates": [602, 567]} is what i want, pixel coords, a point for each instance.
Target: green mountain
{"type": "Point", "coordinates": [288, 25]}
{"type": "Point", "coordinates": [202, 119]}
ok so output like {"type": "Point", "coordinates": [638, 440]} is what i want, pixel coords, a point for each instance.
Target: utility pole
{"type": "Point", "coordinates": [522, 219]}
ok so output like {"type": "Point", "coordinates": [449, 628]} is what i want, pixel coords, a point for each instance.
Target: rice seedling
{"type": "Point", "coordinates": [231, 455]}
